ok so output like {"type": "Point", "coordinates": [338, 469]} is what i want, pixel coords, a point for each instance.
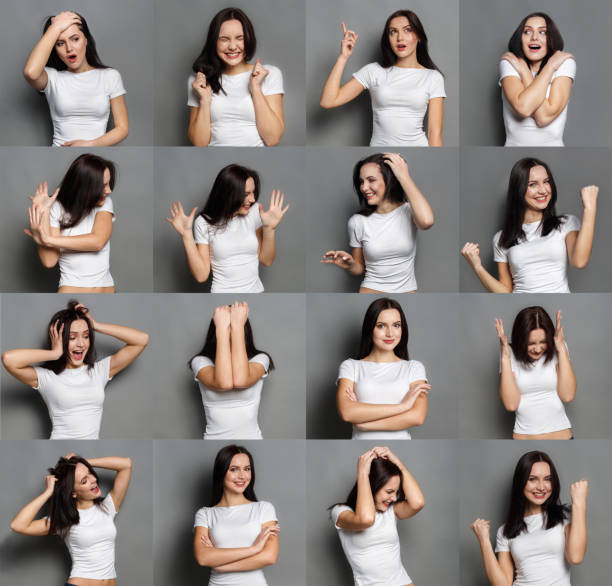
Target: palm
{"type": "Point", "coordinates": [275, 213]}
{"type": "Point", "coordinates": [181, 222]}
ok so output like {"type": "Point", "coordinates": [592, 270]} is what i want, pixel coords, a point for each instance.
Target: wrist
{"type": "Point", "coordinates": [342, 59]}
{"type": "Point", "coordinates": [269, 229]}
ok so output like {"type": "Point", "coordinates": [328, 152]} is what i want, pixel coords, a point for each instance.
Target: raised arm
{"type": "Point", "coordinates": [353, 263]}
{"type": "Point", "coordinates": [580, 244]}
{"type": "Point", "coordinates": [364, 514]}
{"type": "Point", "coordinates": [576, 531]}
{"type": "Point", "coordinates": [244, 373]}
{"type": "Point", "coordinates": [199, 118]}
{"type": "Point", "coordinates": [41, 200]}
{"type": "Point", "coordinates": [500, 571]}
{"type": "Point", "coordinates": [471, 253]}
{"type": "Point", "coordinates": [219, 377]}
{"type": "Point", "coordinates": [123, 468]}
{"type": "Point", "coordinates": [509, 392]}
{"type": "Point", "coordinates": [120, 130]}
{"type": "Point", "coordinates": [270, 221]}
{"type": "Point", "coordinates": [566, 379]}
{"type": "Point", "coordinates": [25, 522]}
{"type": "Point", "coordinates": [269, 116]}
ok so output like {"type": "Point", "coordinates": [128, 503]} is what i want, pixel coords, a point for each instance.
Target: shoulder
{"type": "Point", "coordinates": [107, 206]}
{"type": "Point", "coordinates": [507, 69]}
{"type": "Point", "coordinates": [502, 543]}
{"type": "Point", "coordinates": [107, 506]}
{"type": "Point", "coordinates": [200, 362]}
{"type": "Point", "coordinates": [566, 69]}
{"type": "Point", "coordinates": [569, 223]}
{"type": "Point", "coordinates": [102, 367]}
{"type": "Point", "coordinates": [370, 74]}
{"type": "Point", "coordinates": [202, 517]}
{"type": "Point", "coordinates": [356, 220]}
{"type": "Point", "coordinates": [262, 359]}
{"type": "Point", "coordinates": [414, 365]}
{"type": "Point", "coordinates": [496, 238]}
{"type": "Point", "coordinates": [273, 83]}
{"type": "Point", "coordinates": [200, 222]}
{"type": "Point", "coordinates": [266, 511]}
{"type": "Point", "coordinates": [336, 511]}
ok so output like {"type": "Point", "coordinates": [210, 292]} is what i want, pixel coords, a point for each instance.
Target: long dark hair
{"type": "Point", "coordinates": [527, 320]}
{"type": "Point", "coordinates": [91, 53]}
{"type": "Point", "coordinates": [227, 194]}
{"type": "Point", "coordinates": [393, 189]}
{"type": "Point", "coordinates": [208, 61]}
{"type": "Point", "coordinates": [554, 512]}
{"type": "Point", "coordinates": [512, 232]}
{"type": "Point", "coordinates": [554, 40]}
{"type": "Point", "coordinates": [220, 468]}
{"type": "Point", "coordinates": [83, 186]}
{"type": "Point", "coordinates": [389, 58]}
{"type": "Point", "coordinates": [63, 512]}
{"type": "Point", "coordinates": [369, 322]}
{"type": "Point", "coordinates": [65, 317]}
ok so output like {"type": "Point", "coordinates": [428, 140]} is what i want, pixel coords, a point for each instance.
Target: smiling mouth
{"type": "Point", "coordinates": [233, 55]}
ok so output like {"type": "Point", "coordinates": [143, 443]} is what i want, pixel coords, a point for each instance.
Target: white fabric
{"type": "Point", "coordinates": [400, 97]}
{"type": "Point", "coordinates": [236, 526]}
{"type": "Point", "coordinates": [91, 542]}
{"type": "Point", "coordinates": [234, 258]}
{"type": "Point", "coordinates": [540, 409]}
{"type": "Point", "coordinates": [538, 554]}
{"type": "Point", "coordinates": [75, 398]}
{"type": "Point", "coordinates": [381, 383]}
{"type": "Point", "coordinates": [83, 269]}
{"type": "Point", "coordinates": [374, 553]}
{"type": "Point", "coordinates": [79, 103]}
{"type": "Point", "coordinates": [231, 414]}
{"type": "Point", "coordinates": [538, 264]}
{"type": "Point", "coordinates": [524, 131]}
{"type": "Point", "coordinates": [232, 115]}
{"type": "Point", "coordinates": [389, 248]}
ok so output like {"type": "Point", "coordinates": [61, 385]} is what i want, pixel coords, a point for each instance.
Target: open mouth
{"type": "Point", "coordinates": [77, 355]}
{"type": "Point", "coordinates": [72, 58]}
{"type": "Point", "coordinates": [400, 47]}
{"type": "Point", "coordinates": [95, 489]}
{"type": "Point", "coordinates": [233, 55]}
{"type": "Point", "coordinates": [539, 495]}
{"type": "Point", "coordinates": [534, 47]}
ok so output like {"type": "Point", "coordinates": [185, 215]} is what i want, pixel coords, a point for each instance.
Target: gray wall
{"type": "Point", "coordinates": [333, 334]}
{"type": "Point", "coordinates": [124, 40]}
{"type": "Point", "coordinates": [332, 201]}
{"type": "Point", "coordinates": [183, 475]}
{"type": "Point", "coordinates": [35, 560]}
{"type": "Point", "coordinates": [188, 175]}
{"type": "Point", "coordinates": [485, 481]}
{"type": "Point", "coordinates": [351, 124]}
{"type": "Point", "coordinates": [22, 169]}
{"type": "Point", "coordinates": [182, 28]}
{"type": "Point", "coordinates": [278, 325]}
{"type": "Point", "coordinates": [486, 28]}
{"type": "Point", "coordinates": [428, 541]}
{"type": "Point", "coordinates": [484, 182]}
{"type": "Point", "coordinates": [128, 405]}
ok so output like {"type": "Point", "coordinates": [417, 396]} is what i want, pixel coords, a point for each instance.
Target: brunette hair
{"type": "Point", "coordinates": [393, 189]}
{"type": "Point", "coordinates": [369, 323]}
{"type": "Point", "coordinates": [220, 468]}
{"type": "Point", "coordinates": [527, 320]}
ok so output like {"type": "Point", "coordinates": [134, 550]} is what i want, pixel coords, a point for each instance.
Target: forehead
{"type": "Point", "coordinates": [71, 30]}
{"type": "Point", "coordinates": [540, 469]}
{"type": "Point", "coordinates": [80, 471]}
{"type": "Point", "coordinates": [537, 172]}
{"type": "Point", "coordinates": [240, 460]}
{"type": "Point", "coordinates": [79, 326]}
{"type": "Point", "coordinates": [389, 315]}
{"type": "Point", "coordinates": [370, 170]}
{"type": "Point", "coordinates": [537, 336]}
{"type": "Point", "coordinates": [393, 483]}
{"type": "Point", "coordinates": [107, 176]}
{"type": "Point", "coordinates": [231, 28]}
{"type": "Point", "coordinates": [399, 22]}
{"type": "Point", "coordinates": [249, 185]}
{"type": "Point", "coordinates": [535, 22]}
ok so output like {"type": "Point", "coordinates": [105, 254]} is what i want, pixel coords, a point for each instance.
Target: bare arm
{"type": "Point", "coordinates": [509, 392]}
{"type": "Point", "coordinates": [566, 379]}
{"type": "Point", "coordinates": [353, 263]}
{"type": "Point", "coordinates": [414, 417]}
{"type": "Point", "coordinates": [435, 120]}
{"type": "Point", "coordinates": [93, 242]}
{"type": "Point", "coordinates": [123, 468]}
{"type": "Point", "coordinates": [270, 220]}
{"type": "Point", "coordinates": [471, 253]}
{"type": "Point", "coordinates": [199, 118]}
{"type": "Point", "coordinates": [580, 244]}
{"type": "Point", "coordinates": [269, 116]}
{"type": "Point", "coordinates": [364, 514]}
{"type": "Point", "coordinates": [244, 373]}
{"type": "Point", "coordinates": [25, 522]}
{"type": "Point", "coordinates": [266, 557]}
{"type": "Point", "coordinates": [219, 377]}
{"type": "Point", "coordinates": [414, 500]}
{"type": "Point", "coordinates": [120, 130]}
{"type": "Point", "coordinates": [500, 570]}
{"type": "Point", "coordinates": [576, 531]}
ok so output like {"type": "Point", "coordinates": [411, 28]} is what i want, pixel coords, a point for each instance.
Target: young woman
{"type": "Point", "coordinates": [382, 234]}
{"type": "Point", "coordinates": [80, 516]}
{"type": "Point", "coordinates": [367, 521]}
{"type": "Point", "coordinates": [383, 393]}
{"type": "Point", "coordinates": [232, 234]}
{"type": "Point", "coordinates": [536, 375]}
{"type": "Point", "coordinates": [71, 380]}
{"type": "Point", "coordinates": [236, 535]}
{"type": "Point", "coordinates": [74, 225]}
{"type": "Point", "coordinates": [540, 538]}
{"type": "Point", "coordinates": [230, 371]}
{"type": "Point", "coordinates": [535, 243]}
{"type": "Point", "coordinates": [536, 78]}
{"type": "Point", "coordinates": [80, 89]}
{"type": "Point", "coordinates": [404, 84]}
{"type": "Point", "coordinates": [233, 102]}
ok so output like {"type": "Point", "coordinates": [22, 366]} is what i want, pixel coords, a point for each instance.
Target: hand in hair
{"type": "Point", "coordinates": [239, 313]}
{"type": "Point", "coordinates": [271, 219]}
{"type": "Point", "coordinates": [481, 528]}
{"type": "Point", "coordinates": [55, 335]}
{"type": "Point", "coordinates": [398, 165]}
{"type": "Point", "coordinates": [201, 88]}
{"type": "Point", "coordinates": [222, 317]}
{"type": "Point", "coordinates": [416, 389]}
{"type": "Point", "coordinates": [503, 339]}
{"type": "Point", "coordinates": [50, 481]}
{"type": "Point", "coordinates": [85, 313]}
{"type": "Point", "coordinates": [471, 253]}
{"type": "Point", "coordinates": [258, 75]}
{"type": "Point", "coordinates": [365, 462]}
{"type": "Point", "coordinates": [349, 39]}
{"type": "Point", "coordinates": [589, 196]}
{"type": "Point", "coordinates": [64, 20]}
{"type": "Point", "coordinates": [579, 492]}
{"type": "Point", "coordinates": [182, 223]}
{"type": "Point", "coordinates": [385, 453]}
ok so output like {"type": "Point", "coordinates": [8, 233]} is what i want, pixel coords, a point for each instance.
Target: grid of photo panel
{"type": "Point", "coordinates": [315, 350]}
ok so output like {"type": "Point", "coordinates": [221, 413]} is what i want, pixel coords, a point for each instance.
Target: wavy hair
{"type": "Point", "coordinates": [220, 468]}
{"type": "Point", "coordinates": [369, 323]}
{"type": "Point", "coordinates": [393, 190]}
{"type": "Point", "coordinates": [554, 40]}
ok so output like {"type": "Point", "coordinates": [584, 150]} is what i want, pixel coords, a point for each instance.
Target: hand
{"type": "Point", "coordinates": [265, 534]}
{"type": "Point", "coordinates": [64, 20]}
{"type": "Point", "coordinates": [339, 258]}
{"type": "Point", "coordinates": [481, 528]}
{"type": "Point", "coordinates": [503, 339]}
{"type": "Point", "coordinates": [275, 213]}
{"type": "Point", "coordinates": [69, 455]}
{"type": "Point", "coordinates": [206, 541]}
{"type": "Point", "coordinates": [239, 313]}
{"type": "Point", "coordinates": [416, 388]}
{"type": "Point", "coordinates": [85, 313]}
{"type": "Point", "coordinates": [78, 143]}
{"type": "Point", "coordinates": [349, 39]}
{"type": "Point", "coordinates": [519, 64]}
{"type": "Point", "coordinates": [579, 492]}
{"type": "Point", "coordinates": [559, 339]}
{"type": "Point", "coordinates": [201, 88]}
{"type": "Point", "coordinates": [258, 75]}
{"type": "Point", "coordinates": [471, 253]}
{"type": "Point", "coordinates": [38, 217]}
{"type": "Point", "coordinates": [180, 222]}
{"type": "Point", "coordinates": [41, 196]}
{"type": "Point", "coordinates": [50, 481]}
{"type": "Point", "coordinates": [397, 164]}
{"type": "Point", "coordinates": [557, 59]}
{"type": "Point", "coordinates": [589, 196]}
{"type": "Point", "coordinates": [365, 462]}
{"type": "Point", "coordinates": [222, 317]}
{"type": "Point", "coordinates": [387, 454]}
{"type": "Point", "coordinates": [351, 394]}
{"type": "Point", "coordinates": [55, 336]}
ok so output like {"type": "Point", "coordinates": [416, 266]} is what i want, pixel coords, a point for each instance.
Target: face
{"type": "Point", "coordinates": [387, 330]}
{"type": "Point", "coordinates": [78, 343]}
{"type": "Point", "coordinates": [387, 494]}
{"type": "Point", "coordinates": [85, 484]}
{"type": "Point", "coordinates": [536, 344]}
{"type": "Point", "coordinates": [539, 484]}
{"type": "Point", "coordinates": [539, 190]}
{"type": "Point", "coordinates": [238, 475]}
{"type": "Point", "coordinates": [249, 197]}
{"type": "Point", "coordinates": [107, 188]}
{"type": "Point", "coordinates": [71, 46]}
{"type": "Point", "coordinates": [533, 39]}
{"type": "Point", "coordinates": [402, 38]}
{"type": "Point", "coordinates": [230, 43]}
{"type": "Point", "coordinates": [372, 184]}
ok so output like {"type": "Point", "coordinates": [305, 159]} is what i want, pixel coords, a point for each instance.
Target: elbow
{"type": "Point", "coordinates": [7, 360]}
{"type": "Point", "coordinates": [366, 521]}
{"type": "Point", "coordinates": [49, 263]}
{"type": "Point", "coordinates": [346, 416]}
{"type": "Point", "coordinates": [426, 223]}
{"type": "Point", "coordinates": [418, 503]}
{"type": "Point", "coordinates": [201, 560]}
{"type": "Point", "coordinates": [30, 74]}
{"type": "Point", "coordinates": [144, 342]}
{"type": "Point", "coordinates": [128, 463]}
{"type": "Point", "coordinates": [420, 419]}
{"type": "Point", "coordinates": [575, 559]}
{"type": "Point", "coordinates": [201, 277]}
{"type": "Point", "coordinates": [266, 262]}
{"type": "Point", "coordinates": [225, 385]}
{"type": "Point", "coordinates": [16, 528]}
{"type": "Point", "coordinates": [511, 406]}
{"type": "Point", "coordinates": [542, 121]}
{"type": "Point", "coordinates": [275, 139]}
{"type": "Point", "coordinates": [326, 104]}
{"type": "Point", "coordinates": [579, 263]}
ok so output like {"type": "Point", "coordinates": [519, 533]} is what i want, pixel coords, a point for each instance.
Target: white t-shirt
{"type": "Point", "coordinates": [400, 97]}
{"type": "Point", "coordinates": [79, 103]}
{"type": "Point", "coordinates": [389, 248]}
{"type": "Point", "coordinates": [538, 554]}
{"type": "Point", "coordinates": [233, 250]}
{"type": "Point", "coordinates": [236, 526]}
{"type": "Point", "coordinates": [524, 131]}
{"type": "Point", "coordinates": [231, 414]}
{"type": "Point", "coordinates": [538, 264]}
{"type": "Point", "coordinates": [381, 383]}
{"type": "Point", "coordinates": [232, 114]}
{"type": "Point", "coordinates": [540, 409]}
{"type": "Point", "coordinates": [83, 269]}
{"type": "Point", "coordinates": [374, 553]}
{"type": "Point", "coordinates": [74, 398]}
{"type": "Point", "coordinates": [91, 542]}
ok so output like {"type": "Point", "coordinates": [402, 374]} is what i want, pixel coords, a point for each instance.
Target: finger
{"type": "Point", "coordinates": [55, 194]}
{"type": "Point", "coordinates": [558, 319]}
{"type": "Point", "coordinates": [26, 231]}
{"type": "Point", "coordinates": [192, 214]}
{"type": "Point", "coordinates": [343, 29]}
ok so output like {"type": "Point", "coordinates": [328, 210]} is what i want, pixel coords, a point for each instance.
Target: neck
{"type": "Point", "coordinates": [377, 355]}
{"type": "Point", "coordinates": [410, 61]}
{"type": "Point", "coordinates": [237, 69]}
{"type": "Point", "coordinates": [84, 504]}
{"type": "Point", "coordinates": [386, 206]}
{"type": "Point", "coordinates": [82, 68]}
{"type": "Point", "coordinates": [532, 216]}
{"type": "Point", "coordinates": [535, 66]}
{"type": "Point", "coordinates": [231, 499]}
{"type": "Point", "coordinates": [532, 509]}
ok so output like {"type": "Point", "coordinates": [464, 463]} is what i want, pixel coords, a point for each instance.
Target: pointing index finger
{"type": "Point", "coordinates": [343, 28]}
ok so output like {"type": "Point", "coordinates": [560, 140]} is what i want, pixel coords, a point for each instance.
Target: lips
{"type": "Point", "coordinates": [233, 56]}
{"type": "Point", "coordinates": [95, 489]}
{"type": "Point", "coordinates": [72, 58]}
{"type": "Point", "coordinates": [390, 341]}
{"type": "Point", "coordinates": [77, 355]}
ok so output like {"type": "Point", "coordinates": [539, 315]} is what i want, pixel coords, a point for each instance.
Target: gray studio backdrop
{"type": "Point", "coordinates": [128, 405]}
{"type": "Point", "coordinates": [183, 477]}
{"type": "Point", "coordinates": [45, 560]}
{"type": "Point", "coordinates": [428, 541]}
{"type": "Point", "coordinates": [485, 482]}
{"type": "Point", "coordinates": [278, 325]}
{"type": "Point", "coordinates": [22, 169]}
{"type": "Point", "coordinates": [587, 323]}
{"type": "Point", "coordinates": [123, 34]}
{"type": "Point", "coordinates": [486, 28]}
{"type": "Point", "coordinates": [333, 334]}
{"type": "Point", "coordinates": [279, 28]}
{"type": "Point", "coordinates": [332, 201]}
{"type": "Point", "coordinates": [188, 175]}
{"type": "Point", "coordinates": [351, 124]}
{"type": "Point", "coordinates": [484, 183]}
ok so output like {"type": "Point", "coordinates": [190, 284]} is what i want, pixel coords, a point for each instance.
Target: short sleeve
{"type": "Point", "coordinates": [51, 80]}
{"type": "Point", "coordinates": [502, 543]}
{"type": "Point", "coordinates": [254, 216]}
{"type": "Point", "coordinates": [101, 370]}
{"type": "Point", "coordinates": [200, 231]}
{"type": "Point", "coordinates": [192, 98]}
{"type": "Point", "coordinates": [335, 513]}
{"type": "Point", "coordinates": [267, 512]}
{"type": "Point", "coordinates": [55, 214]}
{"type": "Point", "coordinates": [108, 506]}
{"type": "Point", "coordinates": [347, 371]}
{"type": "Point", "coordinates": [273, 84]}
{"type": "Point", "coordinates": [566, 69]}
{"type": "Point", "coordinates": [507, 70]}
{"type": "Point", "coordinates": [436, 86]}
{"type": "Point", "coordinates": [369, 75]}
{"type": "Point", "coordinates": [202, 518]}
{"type": "Point", "coordinates": [570, 224]}
{"type": "Point", "coordinates": [198, 363]}
{"type": "Point", "coordinates": [44, 376]}
{"type": "Point", "coordinates": [355, 231]}
{"type": "Point", "coordinates": [114, 84]}
{"type": "Point", "coordinates": [264, 360]}
{"type": "Point", "coordinates": [500, 254]}
{"type": "Point", "coordinates": [418, 370]}
{"type": "Point", "coordinates": [107, 206]}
